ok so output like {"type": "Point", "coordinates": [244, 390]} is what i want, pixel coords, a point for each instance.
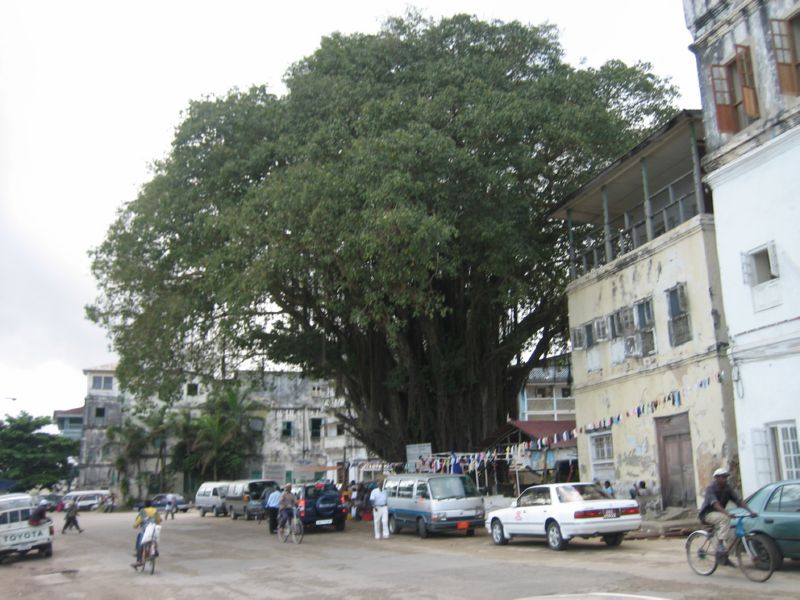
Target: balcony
{"type": "Point", "coordinates": [646, 193]}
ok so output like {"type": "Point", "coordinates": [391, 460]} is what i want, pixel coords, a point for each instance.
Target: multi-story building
{"type": "Point", "coordinates": [69, 422]}
{"type": "Point", "coordinates": [547, 395]}
{"type": "Point", "coordinates": [651, 379]}
{"type": "Point", "coordinates": [748, 58]}
{"type": "Point", "coordinates": [297, 437]}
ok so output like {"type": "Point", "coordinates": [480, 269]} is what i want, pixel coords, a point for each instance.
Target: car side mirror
{"type": "Point", "coordinates": [514, 504]}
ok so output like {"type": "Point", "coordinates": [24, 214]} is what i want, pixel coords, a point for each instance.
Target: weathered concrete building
{"type": "Point", "coordinates": [297, 435]}
{"type": "Point", "coordinates": [650, 372]}
{"type": "Point", "coordinates": [748, 57]}
{"type": "Point", "coordinates": [547, 394]}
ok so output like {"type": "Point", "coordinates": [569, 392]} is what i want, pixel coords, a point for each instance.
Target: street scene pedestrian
{"type": "Point", "coordinates": [380, 516]}
{"type": "Point", "coordinates": [714, 512]}
{"type": "Point", "coordinates": [273, 502]}
{"type": "Point", "coordinates": [71, 517]}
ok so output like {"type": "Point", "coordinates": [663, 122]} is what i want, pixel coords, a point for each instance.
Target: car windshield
{"type": "Point", "coordinates": [257, 488]}
{"type": "Point", "coordinates": [580, 492]}
{"type": "Point", "coordinates": [317, 490]}
{"type": "Point", "coordinates": [457, 486]}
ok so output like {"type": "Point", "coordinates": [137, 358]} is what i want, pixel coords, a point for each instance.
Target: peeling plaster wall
{"type": "Point", "coordinates": [606, 385]}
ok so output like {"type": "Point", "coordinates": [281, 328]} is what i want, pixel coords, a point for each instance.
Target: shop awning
{"type": "Point", "coordinates": [533, 431]}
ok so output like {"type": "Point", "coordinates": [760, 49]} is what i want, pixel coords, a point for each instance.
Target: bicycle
{"type": "Point", "coordinates": [755, 553]}
{"type": "Point", "coordinates": [147, 557]}
{"type": "Point", "coordinates": [293, 527]}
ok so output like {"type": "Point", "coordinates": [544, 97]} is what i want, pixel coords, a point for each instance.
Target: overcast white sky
{"type": "Point", "coordinates": [90, 92]}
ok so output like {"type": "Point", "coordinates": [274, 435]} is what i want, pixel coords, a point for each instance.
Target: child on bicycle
{"type": "Point", "coordinates": [714, 512]}
{"type": "Point", "coordinates": [146, 516]}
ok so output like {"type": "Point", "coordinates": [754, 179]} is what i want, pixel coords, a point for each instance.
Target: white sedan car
{"type": "Point", "coordinates": [562, 511]}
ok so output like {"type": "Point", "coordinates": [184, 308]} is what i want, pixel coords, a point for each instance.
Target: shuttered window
{"type": "Point", "coordinates": [785, 56]}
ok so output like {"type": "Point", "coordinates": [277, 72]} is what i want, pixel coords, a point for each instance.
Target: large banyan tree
{"type": "Point", "coordinates": [383, 224]}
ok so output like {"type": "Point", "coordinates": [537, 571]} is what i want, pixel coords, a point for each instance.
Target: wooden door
{"type": "Point", "coordinates": [676, 461]}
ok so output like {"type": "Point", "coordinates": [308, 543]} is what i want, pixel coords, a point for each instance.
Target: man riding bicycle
{"type": "Point", "coordinates": [146, 516]}
{"type": "Point", "coordinates": [286, 506]}
{"type": "Point", "coordinates": [714, 512]}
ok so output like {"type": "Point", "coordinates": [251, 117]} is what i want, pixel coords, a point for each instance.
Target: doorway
{"type": "Point", "coordinates": [676, 460]}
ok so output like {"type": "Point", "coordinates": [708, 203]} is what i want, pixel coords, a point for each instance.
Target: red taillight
{"type": "Point", "coordinates": [301, 504]}
{"type": "Point", "coordinates": [632, 510]}
{"type": "Point", "coordinates": [588, 514]}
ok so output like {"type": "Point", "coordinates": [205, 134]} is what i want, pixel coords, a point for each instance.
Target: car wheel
{"type": "Point", "coordinates": [394, 528]}
{"type": "Point", "coordinates": [216, 511]}
{"type": "Point", "coordinates": [613, 539]}
{"type": "Point", "coordinates": [232, 513]}
{"type": "Point", "coordinates": [498, 535]}
{"type": "Point", "coordinates": [247, 515]}
{"type": "Point", "coordinates": [46, 551]}
{"type": "Point", "coordinates": [422, 529]}
{"type": "Point", "coordinates": [202, 512]}
{"type": "Point", "coordinates": [554, 538]}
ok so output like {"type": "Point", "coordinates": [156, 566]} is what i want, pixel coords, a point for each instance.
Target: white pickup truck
{"type": "Point", "coordinates": [17, 534]}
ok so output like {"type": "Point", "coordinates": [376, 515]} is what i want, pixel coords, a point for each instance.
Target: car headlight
{"type": "Point", "coordinates": [479, 513]}
{"type": "Point", "coordinates": [439, 516]}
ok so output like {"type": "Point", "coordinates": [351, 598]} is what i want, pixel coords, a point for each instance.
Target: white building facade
{"type": "Point", "coordinates": [749, 71]}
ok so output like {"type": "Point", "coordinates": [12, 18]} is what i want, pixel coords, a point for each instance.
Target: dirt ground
{"type": "Point", "coordinates": [220, 558]}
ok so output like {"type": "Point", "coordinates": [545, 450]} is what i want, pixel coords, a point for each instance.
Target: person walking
{"type": "Point", "coordinates": [171, 507]}
{"type": "Point", "coordinates": [71, 518]}
{"type": "Point", "coordinates": [380, 512]}
{"type": "Point", "coordinates": [286, 505]}
{"type": "Point", "coordinates": [273, 500]}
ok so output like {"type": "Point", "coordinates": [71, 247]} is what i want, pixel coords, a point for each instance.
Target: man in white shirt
{"type": "Point", "coordinates": [380, 513]}
{"type": "Point", "coordinates": [272, 509]}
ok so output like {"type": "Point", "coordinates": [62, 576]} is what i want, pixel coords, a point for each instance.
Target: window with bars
{"type": "Point", "coordinates": [602, 452]}
{"type": "Point", "coordinates": [785, 42]}
{"type": "Point", "coordinates": [734, 90]}
{"type": "Point", "coordinates": [787, 450]}
{"type": "Point", "coordinates": [287, 429]}
{"type": "Point", "coordinates": [316, 428]}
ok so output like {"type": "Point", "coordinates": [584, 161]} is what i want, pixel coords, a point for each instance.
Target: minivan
{"type": "Point", "coordinates": [86, 499]}
{"type": "Point", "coordinates": [429, 502]}
{"type": "Point", "coordinates": [210, 497]}
{"type": "Point", "coordinates": [240, 492]}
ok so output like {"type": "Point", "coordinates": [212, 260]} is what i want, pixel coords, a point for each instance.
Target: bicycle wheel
{"type": "Point", "coordinates": [283, 532]}
{"type": "Point", "coordinates": [151, 560]}
{"type": "Point", "coordinates": [756, 556]}
{"type": "Point", "coordinates": [297, 531]}
{"type": "Point", "coordinates": [701, 552]}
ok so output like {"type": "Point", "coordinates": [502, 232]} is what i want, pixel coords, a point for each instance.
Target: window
{"type": "Point", "coordinates": [734, 89]}
{"type": "Point", "coordinates": [535, 497]}
{"type": "Point", "coordinates": [787, 450]}
{"type": "Point", "coordinates": [390, 487]}
{"type": "Point", "coordinates": [622, 322]}
{"type": "Point", "coordinates": [192, 389]}
{"type": "Point", "coordinates": [97, 382]}
{"type": "Point", "coordinates": [578, 338]}
{"type": "Point", "coordinates": [566, 392]}
{"type": "Point", "coordinates": [405, 488]}
{"type": "Point", "coordinates": [785, 499]}
{"type": "Point", "coordinates": [100, 412]}
{"type": "Point", "coordinates": [760, 265]}
{"type": "Point", "coordinates": [422, 490]}
{"type": "Point", "coordinates": [785, 42]}
{"type": "Point", "coordinates": [680, 330]}
{"type": "Point", "coordinates": [316, 429]}
{"type": "Point", "coordinates": [602, 452]}
{"type": "Point", "coordinates": [286, 429]}
{"type": "Point", "coordinates": [340, 429]}
{"type": "Point", "coordinates": [600, 329]}
{"type": "Point", "coordinates": [641, 342]}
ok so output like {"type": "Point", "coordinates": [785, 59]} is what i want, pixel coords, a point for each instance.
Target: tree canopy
{"type": "Point", "coordinates": [33, 458]}
{"type": "Point", "coordinates": [385, 224]}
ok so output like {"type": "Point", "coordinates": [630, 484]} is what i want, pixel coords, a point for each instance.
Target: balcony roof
{"type": "Point", "coordinates": [668, 154]}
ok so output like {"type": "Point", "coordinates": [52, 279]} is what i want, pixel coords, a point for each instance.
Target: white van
{"type": "Point", "coordinates": [241, 492]}
{"type": "Point", "coordinates": [17, 535]}
{"type": "Point", "coordinates": [86, 499]}
{"type": "Point", "coordinates": [430, 502]}
{"type": "Point", "coordinates": [210, 497]}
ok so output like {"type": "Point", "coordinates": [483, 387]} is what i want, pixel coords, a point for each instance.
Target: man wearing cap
{"type": "Point", "coordinates": [714, 512]}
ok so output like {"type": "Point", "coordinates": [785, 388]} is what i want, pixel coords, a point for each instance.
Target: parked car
{"type": "Point", "coordinates": [256, 507]}
{"type": "Point", "coordinates": [560, 512]}
{"type": "Point", "coordinates": [52, 501]}
{"type": "Point", "coordinates": [210, 498]}
{"type": "Point", "coordinates": [321, 505]}
{"type": "Point", "coordinates": [778, 508]}
{"type": "Point", "coordinates": [160, 501]}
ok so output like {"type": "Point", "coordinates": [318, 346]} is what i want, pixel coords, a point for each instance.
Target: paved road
{"type": "Point", "coordinates": [222, 559]}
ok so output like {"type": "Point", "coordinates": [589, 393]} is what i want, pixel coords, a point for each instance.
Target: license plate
{"type": "Point", "coordinates": [323, 522]}
{"type": "Point", "coordinates": [610, 514]}
{"type": "Point", "coordinates": [462, 525]}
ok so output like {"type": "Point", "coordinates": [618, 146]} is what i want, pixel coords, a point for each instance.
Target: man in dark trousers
{"type": "Point", "coordinates": [714, 509]}
{"type": "Point", "coordinates": [71, 517]}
